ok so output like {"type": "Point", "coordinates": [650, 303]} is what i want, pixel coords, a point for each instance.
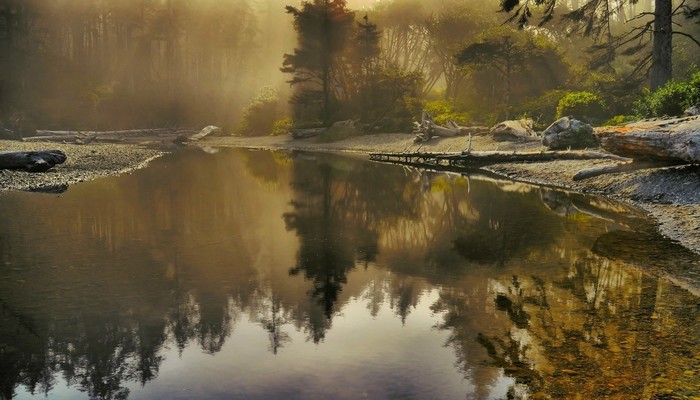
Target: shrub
{"type": "Point", "coordinates": [260, 115]}
{"type": "Point", "coordinates": [671, 99]}
{"type": "Point", "coordinates": [442, 110]}
{"type": "Point", "coordinates": [281, 126]}
{"type": "Point", "coordinates": [620, 120]}
{"type": "Point", "coordinates": [542, 110]}
{"type": "Point", "coordinates": [586, 106]}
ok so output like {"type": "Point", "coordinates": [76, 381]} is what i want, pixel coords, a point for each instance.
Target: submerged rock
{"type": "Point", "coordinates": [568, 132]}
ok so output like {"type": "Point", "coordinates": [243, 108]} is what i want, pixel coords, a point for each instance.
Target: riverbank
{"type": "Point", "coordinates": [84, 163]}
{"type": "Point", "coordinates": [670, 195]}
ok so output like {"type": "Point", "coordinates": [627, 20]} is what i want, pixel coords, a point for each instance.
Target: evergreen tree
{"type": "Point", "coordinates": [323, 30]}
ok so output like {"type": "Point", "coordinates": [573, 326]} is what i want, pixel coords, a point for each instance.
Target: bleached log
{"type": "Point", "coordinates": [673, 140]}
{"type": "Point", "coordinates": [427, 128]}
{"type": "Point", "coordinates": [206, 131]}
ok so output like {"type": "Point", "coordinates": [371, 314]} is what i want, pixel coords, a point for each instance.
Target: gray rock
{"type": "Point", "coordinates": [694, 110]}
{"type": "Point", "coordinates": [514, 130]}
{"type": "Point", "coordinates": [569, 132]}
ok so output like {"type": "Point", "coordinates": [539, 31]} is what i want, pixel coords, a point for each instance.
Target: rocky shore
{"type": "Point", "coordinates": [670, 195]}
{"type": "Point", "coordinates": [84, 163]}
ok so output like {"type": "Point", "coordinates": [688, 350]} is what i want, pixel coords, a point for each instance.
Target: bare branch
{"type": "Point", "coordinates": [686, 35]}
{"type": "Point", "coordinates": [678, 8]}
{"type": "Point", "coordinates": [639, 16]}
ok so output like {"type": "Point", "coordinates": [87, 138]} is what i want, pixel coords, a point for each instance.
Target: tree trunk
{"type": "Point", "coordinates": [32, 161]}
{"type": "Point", "coordinates": [661, 66]}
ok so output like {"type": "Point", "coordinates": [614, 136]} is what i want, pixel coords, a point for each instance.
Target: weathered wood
{"type": "Point", "coordinates": [627, 167]}
{"type": "Point", "coordinates": [123, 136]}
{"type": "Point", "coordinates": [427, 129]}
{"type": "Point", "coordinates": [32, 161]}
{"type": "Point", "coordinates": [128, 132]}
{"type": "Point", "coordinates": [673, 140]}
{"type": "Point", "coordinates": [480, 159]}
{"type": "Point", "coordinates": [206, 131]}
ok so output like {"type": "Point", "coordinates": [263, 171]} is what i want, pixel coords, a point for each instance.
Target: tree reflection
{"type": "Point", "coordinates": [545, 288]}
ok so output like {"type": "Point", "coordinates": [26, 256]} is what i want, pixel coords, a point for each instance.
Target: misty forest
{"type": "Point", "coordinates": [258, 67]}
{"type": "Point", "coordinates": [350, 199]}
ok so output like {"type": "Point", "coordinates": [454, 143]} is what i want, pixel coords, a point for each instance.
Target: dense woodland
{"type": "Point", "coordinates": [259, 67]}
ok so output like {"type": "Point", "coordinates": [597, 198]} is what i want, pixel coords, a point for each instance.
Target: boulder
{"type": "Point", "coordinates": [569, 133]}
{"type": "Point", "coordinates": [514, 131]}
{"type": "Point", "coordinates": [691, 111]}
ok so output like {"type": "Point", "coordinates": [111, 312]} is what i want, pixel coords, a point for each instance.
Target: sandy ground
{"type": "Point", "coordinates": [670, 195]}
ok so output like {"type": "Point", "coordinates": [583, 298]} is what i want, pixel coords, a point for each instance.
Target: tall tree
{"type": "Point", "coordinates": [595, 16]}
{"type": "Point", "coordinates": [323, 30]}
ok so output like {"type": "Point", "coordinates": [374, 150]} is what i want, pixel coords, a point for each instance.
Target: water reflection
{"type": "Point", "coordinates": [536, 292]}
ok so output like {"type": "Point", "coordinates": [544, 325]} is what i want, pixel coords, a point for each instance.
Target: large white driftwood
{"type": "Point", "coordinates": [33, 161]}
{"type": "Point", "coordinates": [651, 144]}
{"type": "Point", "coordinates": [427, 129]}
{"type": "Point", "coordinates": [671, 140]}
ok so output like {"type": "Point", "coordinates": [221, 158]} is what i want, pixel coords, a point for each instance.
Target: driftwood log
{"type": "Point", "coordinates": [427, 128]}
{"type": "Point", "coordinates": [651, 144]}
{"type": "Point", "coordinates": [32, 161]}
{"type": "Point", "coordinates": [674, 140]}
{"type": "Point", "coordinates": [484, 158]}
{"type": "Point", "coordinates": [123, 136]}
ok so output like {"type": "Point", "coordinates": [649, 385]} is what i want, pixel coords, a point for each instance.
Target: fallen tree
{"type": "Point", "coordinates": [427, 128]}
{"type": "Point", "coordinates": [650, 144]}
{"type": "Point", "coordinates": [32, 161]}
{"type": "Point", "coordinates": [672, 140]}
{"type": "Point", "coordinates": [123, 136]}
{"type": "Point", "coordinates": [484, 158]}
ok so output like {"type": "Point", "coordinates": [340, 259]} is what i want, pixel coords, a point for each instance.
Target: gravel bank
{"type": "Point", "coordinates": [85, 162]}
{"type": "Point", "coordinates": [670, 195]}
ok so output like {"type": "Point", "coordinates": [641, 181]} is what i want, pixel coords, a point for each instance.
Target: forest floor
{"type": "Point", "coordinates": [670, 195]}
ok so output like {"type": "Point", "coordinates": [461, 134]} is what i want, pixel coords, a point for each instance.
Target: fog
{"type": "Point", "coordinates": [108, 64]}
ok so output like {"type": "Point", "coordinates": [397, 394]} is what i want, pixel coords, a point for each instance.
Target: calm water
{"type": "Point", "coordinates": [259, 275]}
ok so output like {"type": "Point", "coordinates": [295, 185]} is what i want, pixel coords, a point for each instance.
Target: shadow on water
{"type": "Point", "coordinates": [540, 293]}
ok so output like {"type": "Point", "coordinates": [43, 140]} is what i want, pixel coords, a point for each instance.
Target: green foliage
{"type": "Point", "coordinates": [586, 106]}
{"type": "Point", "coordinates": [542, 110]}
{"type": "Point", "coordinates": [281, 126]}
{"type": "Point", "coordinates": [671, 99]}
{"type": "Point", "coordinates": [442, 110]}
{"type": "Point", "coordinates": [260, 115]}
{"type": "Point", "coordinates": [620, 120]}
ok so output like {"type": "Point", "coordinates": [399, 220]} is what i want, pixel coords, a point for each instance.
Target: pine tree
{"type": "Point", "coordinates": [323, 30]}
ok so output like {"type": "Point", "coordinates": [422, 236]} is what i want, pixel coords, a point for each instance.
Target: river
{"type": "Point", "coordinates": [271, 275]}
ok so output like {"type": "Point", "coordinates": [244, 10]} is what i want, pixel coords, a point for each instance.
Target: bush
{"type": "Point", "coordinates": [260, 115]}
{"type": "Point", "coordinates": [671, 99]}
{"type": "Point", "coordinates": [281, 126]}
{"type": "Point", "coordinates": [442, 110]}
{"type": "Point", "coordinates": [542, 110]}
{"type": "Point", "coordinates": [586, 106]}
{"type": "Point", "coordinates": [620, 120]}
